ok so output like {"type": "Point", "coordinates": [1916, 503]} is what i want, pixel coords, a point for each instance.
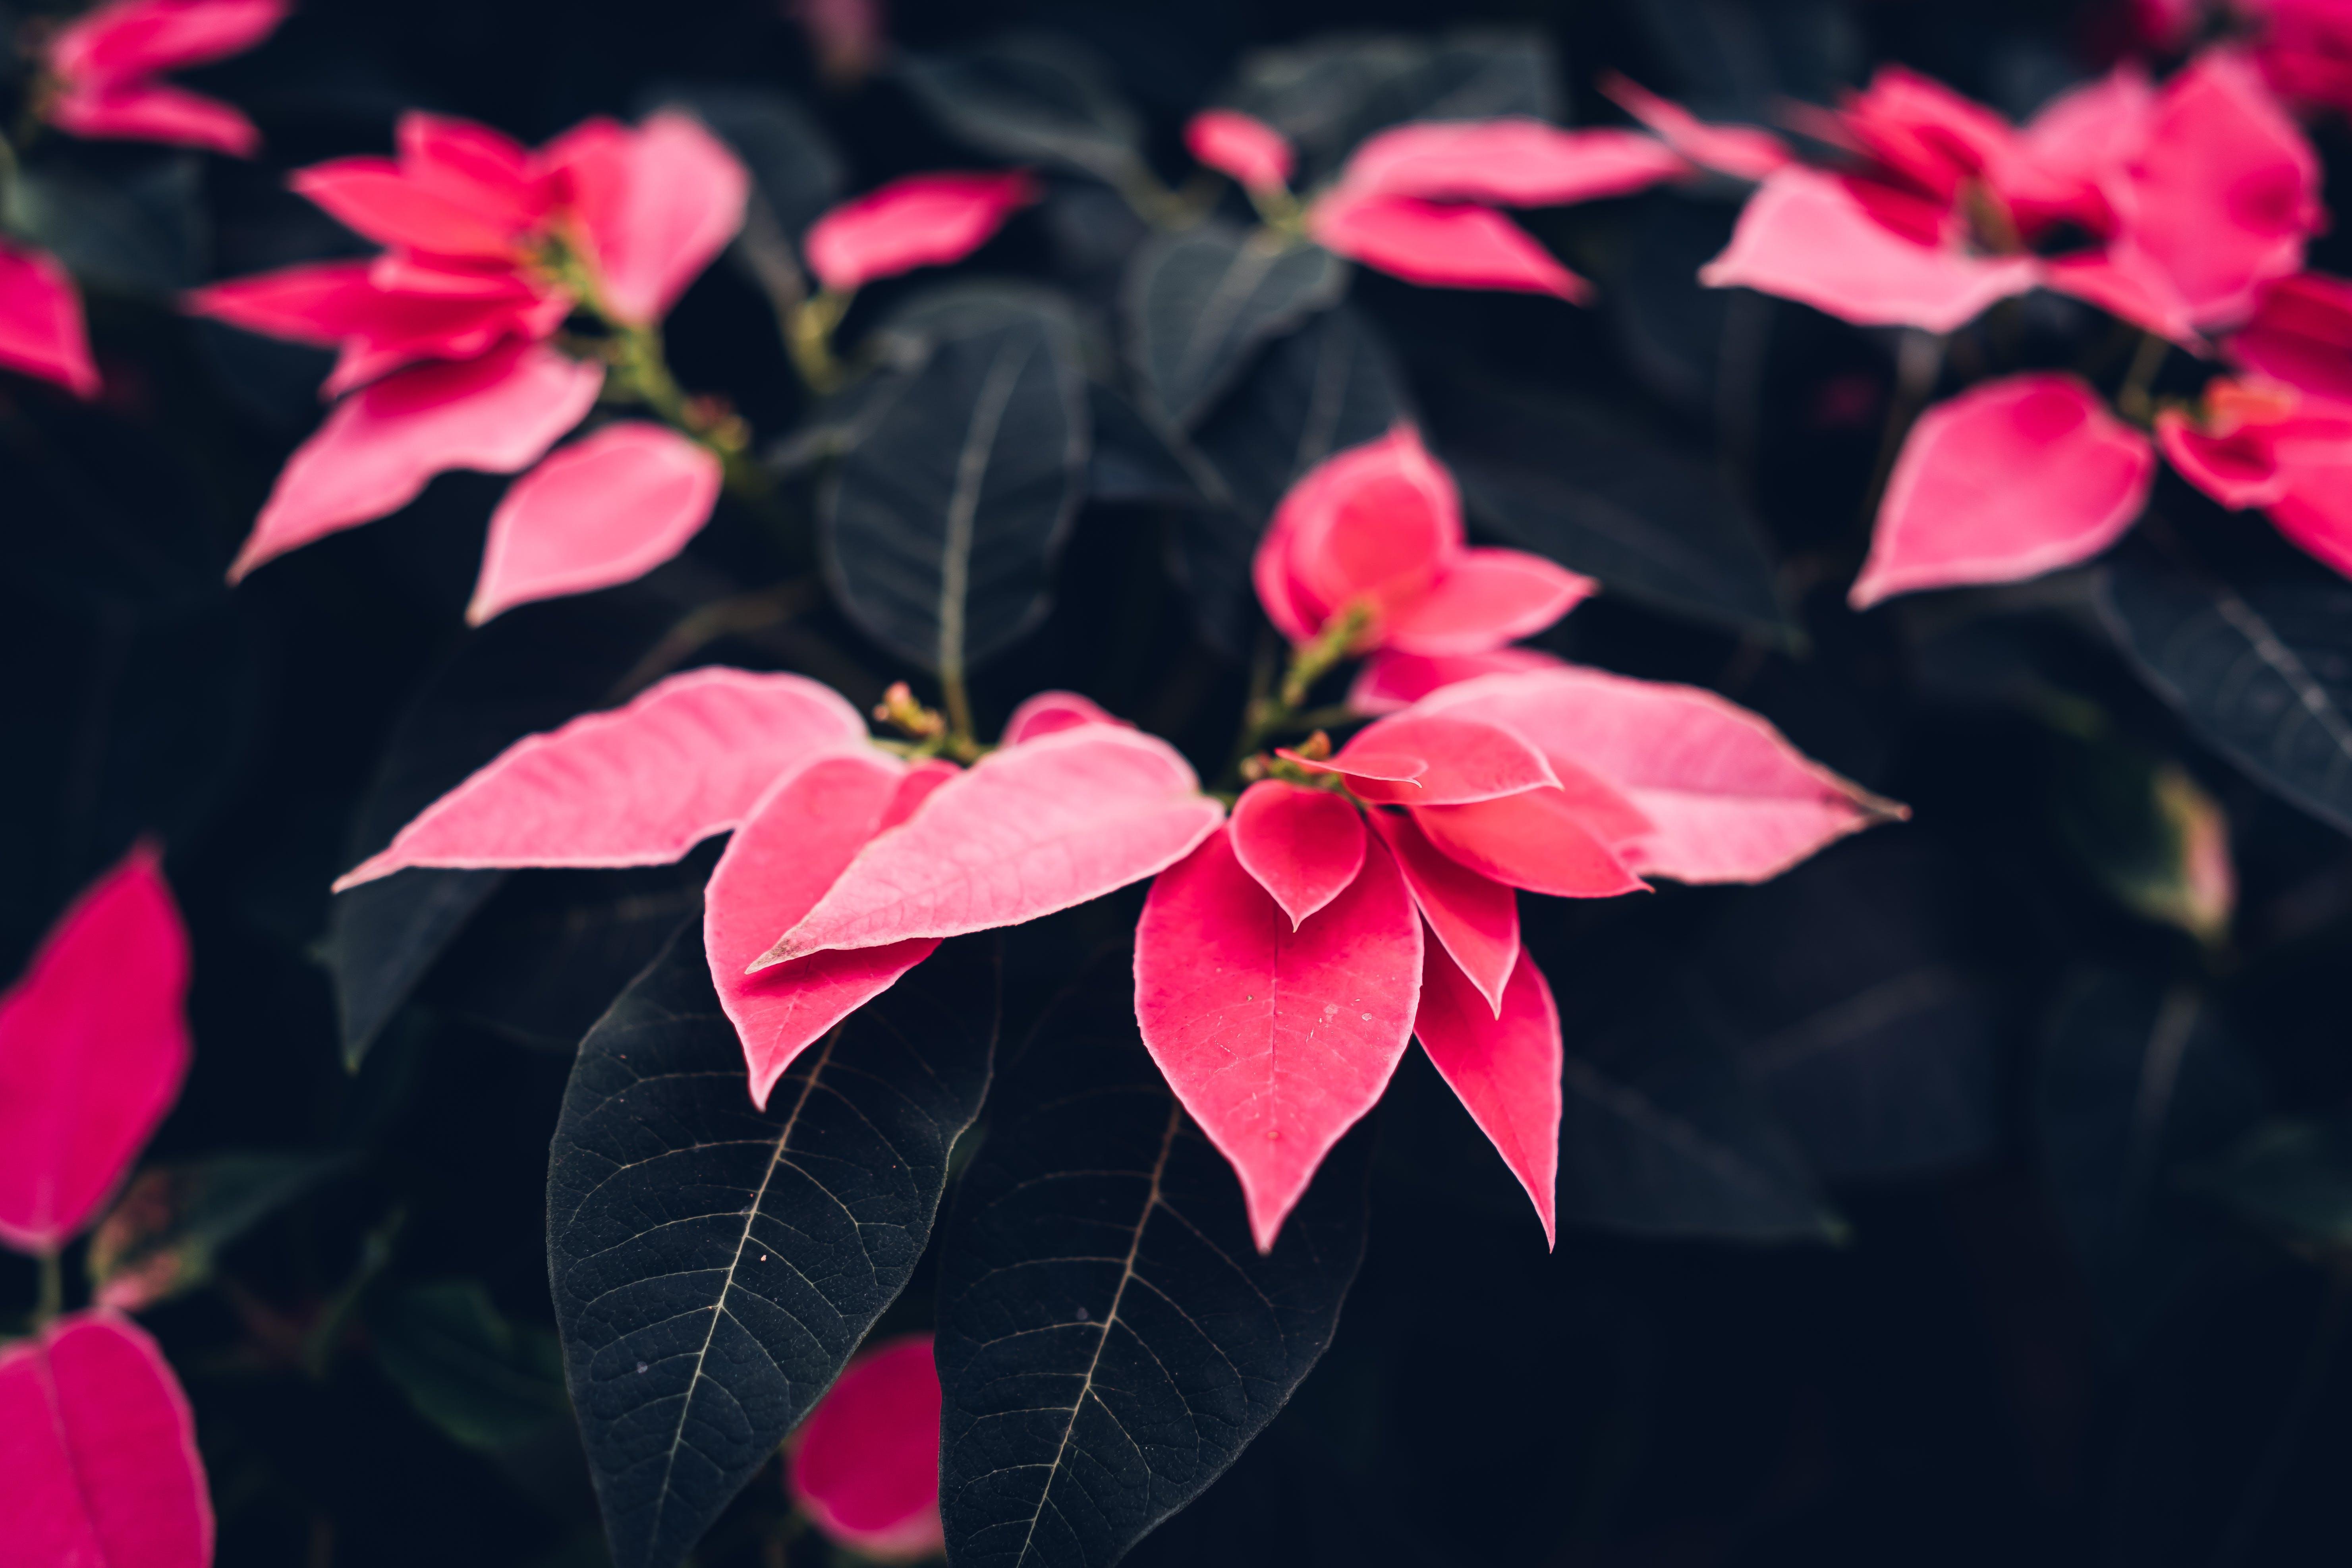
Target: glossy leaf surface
{"type": "Point", "coordinates": [714, 1265]}
{"type": "Point", "coordinates": [1200, 302]}
{"type": "Point", "coordinates": [1109, 1339]}
{"type": "Point", "coordinates": [942, 521]}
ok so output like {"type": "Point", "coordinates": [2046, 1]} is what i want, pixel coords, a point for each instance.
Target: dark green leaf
{"type": "Point", "coordinates": [163, 1234]}
{"type": "Point", "coordinates": [522, 673]}
{"type": "Point", "coordinates": [2264, 672]}
{"type": "Point", "coordinates": [1662, 1134]}
{"type": "Point", "coordinates": [1328, 387]}
{"type": "Point", "coordinates": [1848, 994]}
{"type": "Point", "coordinates": [548, 955]}
{"type": "Point", "coordinates": [145, 233]}
{"type": "Point", "coordinates": [1605, 495]}
{"type": "Point", "coordinates": [1031, 96]}
{"type": "Point", "coordinates": [2134, 1082]}
{"type": "Point", "coordinates": [2291, 1177]}
{"type": "Point", "coordinates": [1109, 1339]}
{"type": "Point", "coordinates": [1329, 93]}
{"type": "Point", "coordinates": [714, 1265]}
{"type": "Point", "coordinates": [1134, 462]}
{"type": "Point", "coordinates": [489, 1384]}
{"type": "Point", "coordinates": [1199, 303]}
{"type": "Point", "coordinates": [942, 521]}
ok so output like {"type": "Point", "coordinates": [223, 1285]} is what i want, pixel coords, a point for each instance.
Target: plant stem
{"type": "Point", "coordinates": [52, 1298]}
{"type": "Point", "coordinates": [808, 333]}
{"type": "Point", "coordinates": [1267, 715]}
{"type": "Point", "coordinates": [962, 743]}
{"type": "Point", "coordinates": [2132, 397]}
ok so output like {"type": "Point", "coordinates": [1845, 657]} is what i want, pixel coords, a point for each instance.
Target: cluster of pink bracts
{"type": "Point", "coordinates": [1287, 955]}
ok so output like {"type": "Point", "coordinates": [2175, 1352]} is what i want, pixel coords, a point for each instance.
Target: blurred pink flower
{"type": "Point", "coordinates": [102, 68]}
{"type": "Point", "coordinates": [1233, 143]}
{"type": "Point", "coordinates": [865, 1466]}
{"type": "Point", "coordinates": [923, 220]}
{"type": "Point", "coordinates": [41, 331]}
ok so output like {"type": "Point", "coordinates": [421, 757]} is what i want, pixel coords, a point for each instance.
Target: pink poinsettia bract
{"type": "Point", "coordinates": [102, 66]}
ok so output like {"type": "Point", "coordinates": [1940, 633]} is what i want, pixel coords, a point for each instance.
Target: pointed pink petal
{"type": "Point", "coordinates": [380, 447]}
{"type": "Point", "coordinates": [139, 38]}
{"type": "Point", "coordinates": [1483, 598]}
{"type": "Point", "coordinates": [1277, 1041]}
{"type": "Point", "coordinates": [638, 785]}
{"type": "Point", "coordinates": [1445, 245]}
{"type": "Point", "coordinates": [2240, 469]}
{"type": "Point", "coordinates": [2301, 333]}
{"type": "Point", "coordinates": [1804, 235]}
{"type": "Point", "coordinates": [2010, 479]}
{"type": "Point", "coordinates": [1251, 151]}
{"type": "Point", "coordinates": [150, 112]}
{"type": "Point", "coordinates": [779, 862]}
{"type": "Point", "coordinates": [40, 321]}
{"type": "Point", "coordinates": [1475, 918]}
{"type": "Point", "coordinates": [923, 220]}
{"type": "Point", "coordinates": [376, 198]}
{"type": "Point", "coordinates": [317, 302]}
{"type": "Point", "coordinates": [1743, 151]}
{"type": "Point", "coordinates": [1555, 840]}
{"type": "Point", "coordinates": [1391, 681]}
{"type": "Point", "coordinates": [1374, 525]}
{"type": "Point", "coordinates": [602, 510]}
{"type": "Point", "coordinates": [1050, 713]}
{"type": "Point", "coordinates": [1029, 830]}
{"type": "Point", "coordinates": [1728, 798]}
{"type": "Point", "coordinates": [1302, 846]}
{"type": "Point", "coordinates": [1505, 1067]}
{"type": "Point", "coordinates": [483, 170]}
{"type": "Point", "coordinates": [2226, 190]}
{"type": "Point", "coordinates": [678, 203]}
{"type": "Point", "coordinates": [2124, 282]}
{"type": "Point", "coordinates": [1435, 758]}
{"type": "Point", "coordinates": [93, 1044]}
{"type": "Point", "coordinates": [866, 1467]}
{"type": "Point", "coordinates": [431, 313]}
{"type": "Point", "coordinates": [2316, 513]}
{"type": "Point", "coordinates": [98, 1466]}
{"type": "Point", "coordinates": [1512, 162]}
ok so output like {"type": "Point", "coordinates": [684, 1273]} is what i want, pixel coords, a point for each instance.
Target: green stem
{"type": "Point", "coordinates": [52, 1298]}
{"type": "Point", "coordinates": [960, 742]}
{"type": "Point", "coordinates": [1267, 715]}
{"type": "Point", "coordinates": [808, 333]}
{"type": "Point", "coordinates": [2132, 397]}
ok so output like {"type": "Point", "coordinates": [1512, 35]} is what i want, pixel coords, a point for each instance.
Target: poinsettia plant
{"type": "Point", "coordinates": [915, 779]}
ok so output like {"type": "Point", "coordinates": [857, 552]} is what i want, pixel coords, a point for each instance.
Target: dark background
{"type": "Point", "coordinates": [1918, 1339]}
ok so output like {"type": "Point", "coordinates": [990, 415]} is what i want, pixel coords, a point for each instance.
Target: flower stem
{"type": "Point", "coordinates": [52, 1298]}
{"type": "Point", "coordinates": [2132, 397]}
{"type": "Point", "coordinates": [808, 333]}
{"type": "Point", "coordinates": [1268, 714]}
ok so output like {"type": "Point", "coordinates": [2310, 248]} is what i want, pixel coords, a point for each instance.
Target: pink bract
{"type": "Point", "coordinates": [2300, 334]}
{"type": "Point", "coordinates": [1427, 758]}
{"type": "Point", "coordinates": [98, 1466]}
{"type": "Point", "coordinates": [656, 205]}
{"type": "Point", "coordinates": [1805, 236]}
{"type": "Point", "coordinates": [103, 62]}
{"type": "Point", "coordinates": [1379, 526]}
{"type": "Point", "coordinates": [1029, 830]}
{"type": "Point", "coordinates": [1504, 1064]}
{"type": "Point", "coordinates": [602, 510]}
{"type": "Point", "coordinates": [1051, 712]}
{"type": "Point", "coordinates": [1276, 1040]}
{"type": "Point", "coordinates": [2265, 445]}
{"type": "Point", "coordinates": [1247, 148]}
{"type": "Point", "coordinates": [1448, 245]}
{"type": "Point", "coordinates": [93, 1047]}
{"type": "Point", "coordinates": [1743, 151]}
{"type": "Point", "coordinates": [638, 785]}
{"type": "Point", "coordinates": [1560, 839]}
{"type": "Point", "coordinates": [1302, 846]}
{"type": "Point", "coordinates": [1725, 796]}
{"type": "Point", "coordinates": [41, 331]}
{"type": "Point", "coordinates": [781, 860]}
{"type": "Point", "coordinates": [1390, 681]}
{"type": "Point", "coordinates": [2009, 480]}
{"type": "Point", "coordinates": [1511, 161]}
{"type": "Point", "coordinates": [379, 447]}
{"type": "Point", "coordinates": [1475, 918]}
{"type": "Point", "coordinates": [866, 1465]}
{"type": "Point", "coordinates": [923, 220]}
